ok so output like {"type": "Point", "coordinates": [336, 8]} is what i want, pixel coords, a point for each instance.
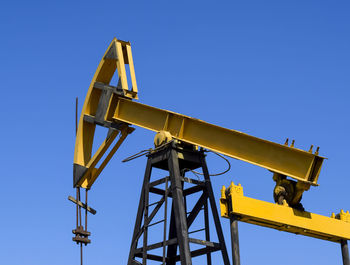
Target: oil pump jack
{"type": "Point", "coordinates": [181, 143]}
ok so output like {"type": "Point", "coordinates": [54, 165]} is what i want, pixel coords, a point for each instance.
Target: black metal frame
{"type": "Point", "coordinates": [176, 159]}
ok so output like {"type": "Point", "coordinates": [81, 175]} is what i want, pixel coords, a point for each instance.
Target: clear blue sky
{"type": "Point", "coordinates": [273, 69]}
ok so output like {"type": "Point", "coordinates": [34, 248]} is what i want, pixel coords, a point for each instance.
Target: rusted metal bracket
{"type": "Point", "coordinates": [81, 236]}
{"type": "Point", "coordinates": [82, 205]}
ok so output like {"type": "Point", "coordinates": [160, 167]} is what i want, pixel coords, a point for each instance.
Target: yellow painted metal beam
{"type": "Point", "coordinates": [99, 153]}
{"type": "Point", "coordinates": [296, 163]}
{"type": "Point", "coordinates": [110, 106]}
{"type": "Point", "coordinates": [283, 217]}
{"type": "Point", "coordinates": [92, 178]}
{"type": "Point", "coordinates": [114, 61]}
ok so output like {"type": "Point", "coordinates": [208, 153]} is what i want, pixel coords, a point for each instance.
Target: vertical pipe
{"type": "Point", "coordinates": [81, 253]}
{"type": "Point", "coordinates": [345, 252]}
{"type": "Point", "coordinates": [86, 203]}
{"type": "Point", "coordinates": [78, 189]}
{"type": "Point", "coordinates": [234, 241]}
{"type": "Point", "coordinates": [79, 207]}
{"type": "Point", "coordinates": [77, 212]}
{"type": "Point", "coordinates": [76, 115]}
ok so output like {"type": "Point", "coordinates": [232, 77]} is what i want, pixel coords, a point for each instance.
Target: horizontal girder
{"type": "Point", "coordinates": [289, 161]}
{"type": "Point", "coordinates": [283, 217]}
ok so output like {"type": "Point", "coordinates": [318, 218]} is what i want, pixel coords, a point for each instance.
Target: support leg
{"type": "Point", "coordinates": [137, 228]}
{"type": "Point", "coordinates": [207, 232]}
{"type": "Point", "coordinates": [234, 241]}
{"type": "Point", "coordinates": [172, 249]}
{"type": "Point", "coordinates": [145, 223]}
{"type": "Point", "coordinates": [165, 220]}
{"type": "Point", "coordinates": [215, 212]}
{"type": "Point", "coordinates": [179, 209]}
{"type": "Point", "coordinates": [345, 252]}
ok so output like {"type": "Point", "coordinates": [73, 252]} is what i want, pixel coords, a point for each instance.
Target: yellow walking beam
{"type": "Point", "coordinates": [112, 107]}
{"type": "Point", "coordinates": [283, 217]}
{"type": "Point", "coordinates": [296, 163]}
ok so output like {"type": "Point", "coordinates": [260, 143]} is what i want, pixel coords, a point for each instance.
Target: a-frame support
{"type": "Point", "coordinates": [176, 160]}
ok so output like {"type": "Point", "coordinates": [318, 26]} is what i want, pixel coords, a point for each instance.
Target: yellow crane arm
{"type": "Point", "coordinates": [113, 108]}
